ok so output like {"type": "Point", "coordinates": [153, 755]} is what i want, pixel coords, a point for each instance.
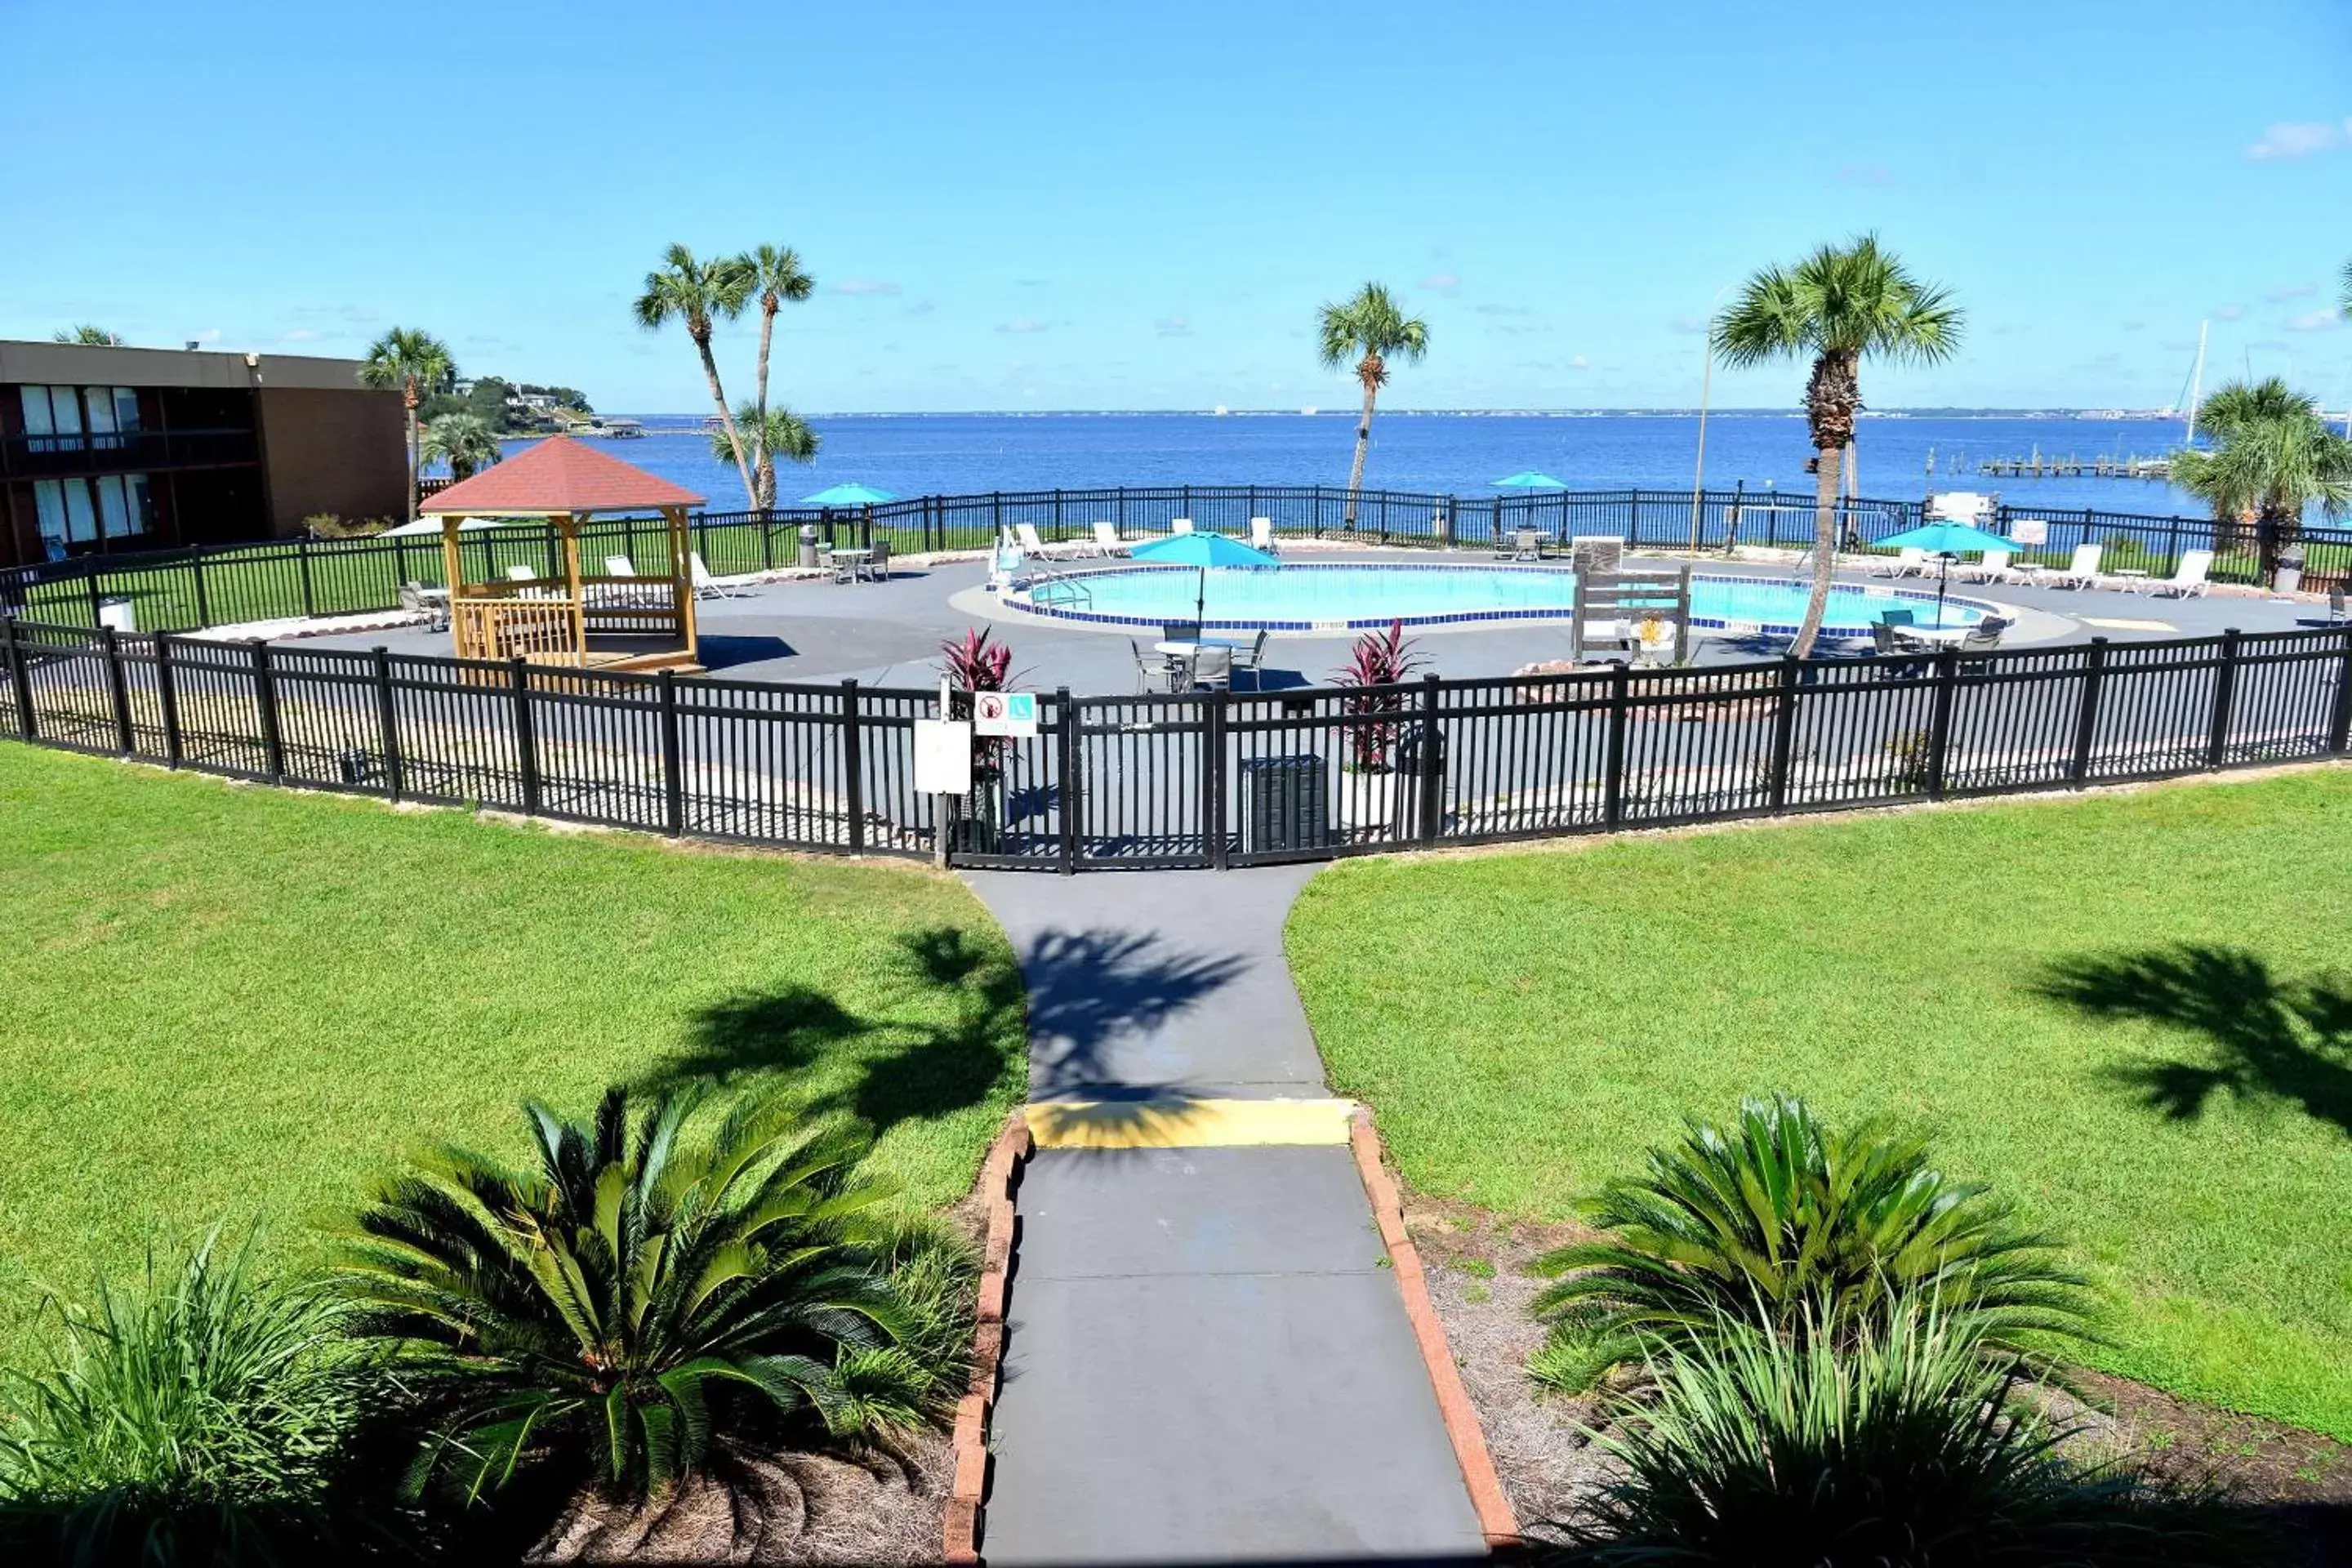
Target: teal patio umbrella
{"type": "Point", "coordinates": [848, 494]}
{"type": "Point", "coordinates": [1946, 542]}
{"type": "Point", "coordinates": [1202, 551]}
{"type": "Point", "coordinates": [1526, 479]}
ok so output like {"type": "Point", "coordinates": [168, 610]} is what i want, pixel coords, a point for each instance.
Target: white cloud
{"type": "Point", "coordinates": [298, 335]}
{"type": "Point", "coordinates": [2229, 312]}
{"type": "Point", "coordinates": [1579, 362]}
{"type": "Point", "coordinates": [2134, 326]}
{"type": "Point", "coordinates": [2315, 321]}
{"type": "Point", "coordinates": [1021, 324]}
{"type": "Point", "coordinates": [922, 308]}
{"type": "Point", "coordinates": [1504, 310]}
{"type": "Point", "coordinates": [2280, 296]}
{"type": "Point", "coordinates": [1173, 327]}
{"type": "Point", "coordinates": [2300, 137]}
{"type": "Point", "coordinates": [864, 286]}
{"type": "Point", "coordinates": [1690, 326]}
{"type": "Point", "coordinates": [1441, 283]}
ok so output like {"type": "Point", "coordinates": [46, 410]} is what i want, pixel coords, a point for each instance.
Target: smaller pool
{"type": "Point", "coordinates": [1348, 596]}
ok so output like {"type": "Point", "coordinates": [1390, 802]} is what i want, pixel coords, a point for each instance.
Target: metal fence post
{"type": "Point", "coordinates": [1431, 769]}
{"type": "Point", "coordinates": [204, 604]}
{"type": "Point", "coordinates": [20, 681]}
{"type": "Point", "coordinates": [1212, 777]}
{"type": "Point", "coordinates": [673, 786]}
{"type": "Point", "coordinates": [302, 559]}
{"type": "Point", "coordinates": [1939, 721]}
{"type": "Point", "coordinates": [853, 766]}
{"type": "Point", "coordinates": [1065, 737]}
{"type": "Point", "coordinates": [525, 733]}
{"type": "Point", "coordinates": [2339, 722]}
{"type": "Point", "coordinates": [118, 691]}
{"type": "Point", "coordinates": [2086, 714]}
{"type": "Point", "coordinates": [265, 701]}
{"type": "Point", "coordinates": [167, 698]}
{"type": "Point", "coordinates": [2225, 696]}
{"type": "Point", "coordinates": [1612, 783]}
{"type": "Point", "coordinates": [1784, 731]}
{"type": "Point", "coordinates": [387, 720]}
{"type": "Point", "coordinates": [89, 581]}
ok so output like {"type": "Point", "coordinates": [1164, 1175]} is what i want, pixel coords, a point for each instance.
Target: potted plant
{"type": "Point", "coordinates": [1378, 664]}
{"type": "Point", "coordinates": [978, 664]}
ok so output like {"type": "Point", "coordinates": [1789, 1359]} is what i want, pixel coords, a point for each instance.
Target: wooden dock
{"type": "Point", "coordinates": [2037, 466]}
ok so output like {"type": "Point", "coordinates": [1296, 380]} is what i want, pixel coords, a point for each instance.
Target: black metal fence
{"type": "Point", "coordinates": [1204, 780]}
{"type": "Point", "coordinates": [183, 590]}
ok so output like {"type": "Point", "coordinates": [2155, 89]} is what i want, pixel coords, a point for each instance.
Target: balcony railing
{"type": "Point", "coordinates": [128, 451]}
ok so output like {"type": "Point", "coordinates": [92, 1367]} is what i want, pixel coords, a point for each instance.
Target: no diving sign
{"type": "Point", "coordinates": [1010, 713]}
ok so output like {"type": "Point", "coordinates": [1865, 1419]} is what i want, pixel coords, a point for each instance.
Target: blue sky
{"type": "Point", "coordinates": [1092, 205]}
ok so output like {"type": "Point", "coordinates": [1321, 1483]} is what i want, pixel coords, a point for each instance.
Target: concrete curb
{"type": "Point", "coordinates": [998, 1174]}
{"type": "Point", "coordinates": [1495, 1520]}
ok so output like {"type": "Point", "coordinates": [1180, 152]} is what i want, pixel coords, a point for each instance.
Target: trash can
{"type": "Point", "coordinates": [2288, 578]}
{"type": "Point", "coordinates": [116, 614]}
{"type": "Point", "coordinates": [808, 544]}
{"type": "Point", "coordinates": [1284, 803]}
{"type": "Point", "coordinates": [1408, 777]}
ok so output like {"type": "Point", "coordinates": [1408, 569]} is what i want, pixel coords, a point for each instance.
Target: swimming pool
{"type": "Point", "coordinates": [1349, 596]}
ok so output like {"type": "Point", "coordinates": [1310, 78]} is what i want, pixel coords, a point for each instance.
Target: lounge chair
{"type": "Point", "coordinates": [1181, 525]}
{"type": "Point", "coordinates": [1213, 668]}
{"type": "Point", "coordinates": [1526, 545]}
{"type": "Point", "coordinates": [2187, 580]}
{"type": "Point", "coordinates": [706, 586]}
{"type": "Point", "coordinates": [1108, 540]}
{"type": "Point", "coordinates": [1262, 535]}
{"type": "Point", "coordinates": [2083, 571]}
{"type": "Point", "coordinates": [1906, 563]}
{"type": "Point", "coordinates": [1026, 533]}
{"type": "Point", "coordinates": [1255, 662]}
{"type": "Point", "coordinates": [518, 573]}
{"type": "Point", "coordinates": [1993, 568]}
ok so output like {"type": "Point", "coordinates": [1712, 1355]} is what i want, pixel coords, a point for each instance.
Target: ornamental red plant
{"type": "Point", "coordinates": [977, 664]}
{"type": "Point", "coordinates": [1382, 659]}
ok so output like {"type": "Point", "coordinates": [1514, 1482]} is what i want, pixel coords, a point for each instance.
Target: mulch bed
{"type": "Point", "coordinates": [1476, 1268]}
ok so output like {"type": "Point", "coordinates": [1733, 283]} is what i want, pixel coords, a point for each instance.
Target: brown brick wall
{"type": "Point", "coordinates": [340, 452]}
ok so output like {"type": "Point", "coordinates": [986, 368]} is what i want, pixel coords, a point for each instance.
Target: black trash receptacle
{"type": "Point", "coordinates": [1409, 776]}
{"type": "Point", "coordinates": [1283, 804]}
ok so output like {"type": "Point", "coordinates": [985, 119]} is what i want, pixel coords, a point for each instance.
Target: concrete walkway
{"type": "Point", "coordinates": [1206, 1359]}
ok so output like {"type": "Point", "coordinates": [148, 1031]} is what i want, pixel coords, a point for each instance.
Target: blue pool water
{"type": "Point", "coordinates": [1309, 598]}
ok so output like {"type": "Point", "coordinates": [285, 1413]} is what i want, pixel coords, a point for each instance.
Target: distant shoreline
{"type": "Point", "coordinates": [690, 424]}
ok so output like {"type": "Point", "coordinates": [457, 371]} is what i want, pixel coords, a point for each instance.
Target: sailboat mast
{"type": "Point", "coordinates": [2196, 383]}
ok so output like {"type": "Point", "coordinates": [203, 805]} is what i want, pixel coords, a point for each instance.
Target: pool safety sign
{"type": "Point", "coordinates": [1008, 713]}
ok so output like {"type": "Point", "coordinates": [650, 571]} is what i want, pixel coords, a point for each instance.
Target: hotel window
{"type": "Point", "coordinates": [83, 512]}
{"type": "Point", "coordinates": [56, 416]}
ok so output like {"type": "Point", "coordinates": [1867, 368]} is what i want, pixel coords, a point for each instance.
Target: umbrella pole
{"type": "Point", "coordinates": [1200, 603]}
{"type": "Point", "coordinates": [1943, 574]}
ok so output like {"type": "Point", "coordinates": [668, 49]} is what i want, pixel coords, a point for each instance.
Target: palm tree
{"type": "Point", "coordinates": [420, 365]}
{"type": "Point", "coordinates": [635, 1293]}
{"type": "Point", "coordinates": [467, 442]}
{"type": "Point", "coordinates": [89, 336]}
{"type": "Point", "coordinates": [1370, 326]}
{"type": "Point", "coordinates": [2273, 456]}
{"type": "Point", "coordinates": [777, 275]}
{"type": "Point", "coordinates": [695, 292]}
{"type": "Point", "coordinates": [1835, 306]}
{"type": "Point", "coordinates": [779, 433]}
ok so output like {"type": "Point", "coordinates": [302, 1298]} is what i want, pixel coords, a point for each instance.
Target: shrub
{"type": "Point", "coordinates": [197, 1418]}
{"type": "Point", "coordinates": [1775, 1215]}
{"type": "Point", "coordinates": [639, 1293]}
{"type": "Point", "coordinates": [1376, 659]}
{"type": "Point", "coordinates": [1904, 1444]}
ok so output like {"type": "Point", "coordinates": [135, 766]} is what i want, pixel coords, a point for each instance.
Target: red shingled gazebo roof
{"type": "Point", "coordinates": [558, 475]}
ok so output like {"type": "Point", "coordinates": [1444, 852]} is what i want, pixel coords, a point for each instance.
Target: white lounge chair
{"type": "Point", "coordinates": [521, 573]}
{"type": "Point", "coordinates": [1262, 535]}
{"type": "Point", "coordinates": [1108, 540]}
{"type": "Point", "coordinates": [2187, 580]}
{"type": "Point", "coordinates": [1181, 525]}
{"type": "Point", "coordinates": [706, 586]}
{"type": "Point", "coordinates": [1907, 563]}
{"type": "Point", "coordinates": [2083, 571]}
{"type": "Point", "coordinates": [1026, 533]}
{"type": "Point", "coordinates": [1993, 568]}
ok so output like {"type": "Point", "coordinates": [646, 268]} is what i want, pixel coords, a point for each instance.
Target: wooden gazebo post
{"type": "Point", "coordinates": [681, 571]}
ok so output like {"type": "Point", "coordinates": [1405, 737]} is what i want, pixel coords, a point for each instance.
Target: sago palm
{"type": "Point", "coordinates": [699, 293]}
{"type": "Point", "coordinates": [467, 442]}
{"type": "Point", "coordinates": [2274, 455]}
{"type": "Point", "coordinates": [775, 433]}
{"type": "Point", "coordinates": [420, 365]}
{"type": "Point", "coordinates": [634, 1293]}
{"type": "Point", "coordinates": [1778, 1217]}
{"type": "Point", "coordinates": [778, 277]}
{"type": "Point", "coordinates": [1371, 329]}
{"type": "Point", "coordinates": [1834, 307]}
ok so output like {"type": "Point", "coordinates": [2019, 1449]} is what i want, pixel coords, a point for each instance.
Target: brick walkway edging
{"type": "Point", "coordinates": [999, 1174]}
{"type": "Point", "coordinates": [1495, 1520]}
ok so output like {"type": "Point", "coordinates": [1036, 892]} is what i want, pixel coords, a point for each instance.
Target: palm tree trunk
{"type": "Point", "coordinates": [416, 461]}
{"type": "Point", "coordinates": [763, 493]}
{"type": "Point", "coordinates": [1825, 498]}
{"type": "Point", "coordinates": [727, 418]}
{"type": "Point", "coordinates": [1363, 443]}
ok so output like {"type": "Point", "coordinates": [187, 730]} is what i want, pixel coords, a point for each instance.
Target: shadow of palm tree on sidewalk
{"type": "Point", "coordinates": [1093, 994]}
{"type": "Point", "coordinates": [2273, 1039]}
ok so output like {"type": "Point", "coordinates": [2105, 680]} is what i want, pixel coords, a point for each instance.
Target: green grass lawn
{"type": "Point", "coordinates": [2130, 1013]}
{"type": "Point", "coordinates": [226, 1001]}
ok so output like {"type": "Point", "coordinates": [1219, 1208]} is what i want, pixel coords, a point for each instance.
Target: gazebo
{"type": "Point", "coordinates": [590, 620]}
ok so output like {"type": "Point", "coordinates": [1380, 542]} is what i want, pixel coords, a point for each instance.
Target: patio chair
{"type": "Point", "coordinates": [706, 586]}
{"type": "Point", "coordinates": [2187, 580]}
{"type": "Point", "coordinates": [2335, 611]}
{"type": "Point", "coordinates": [419, 600]}
{"type": "Point", "coordinates": [1026, 533]}
{"type": "Point", "coordinates": [1526, 545]}
{"type": "Point", "coordinates": [1213, 668]}
{"type": "Point", "coordinates": [1985, 635]}
{"type": "Point", "coordinates": [1906, 563]}
{"type": "Point", "coordinates": [2083, 571]}
{"type": "Point", "coordinates": [1262, 535]}
{"type": "Point", "coordinates": [1179, 631]}
{"type": "Point", "coordinates": [1106, 539]}
{"type": "Point", "coordinates": [1154, 676]}
{"type": "Point", "coordinates": [876, 567]}
{"type": "Point", "coordinates": [1255, 662]}
{"type": "Point", "coordinates": [1887, 641]}
{"type": "Point", "coordinates": [1181, 525]}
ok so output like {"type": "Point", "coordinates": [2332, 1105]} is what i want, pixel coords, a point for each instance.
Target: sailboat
{"type": "Point", "coordinates": [2196, 385]}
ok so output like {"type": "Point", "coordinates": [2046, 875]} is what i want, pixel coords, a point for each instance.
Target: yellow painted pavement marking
{"type": "Point", "coordinates": [1173, 1121]}
{"type": "Point", "coordinates": [2128, 625]}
